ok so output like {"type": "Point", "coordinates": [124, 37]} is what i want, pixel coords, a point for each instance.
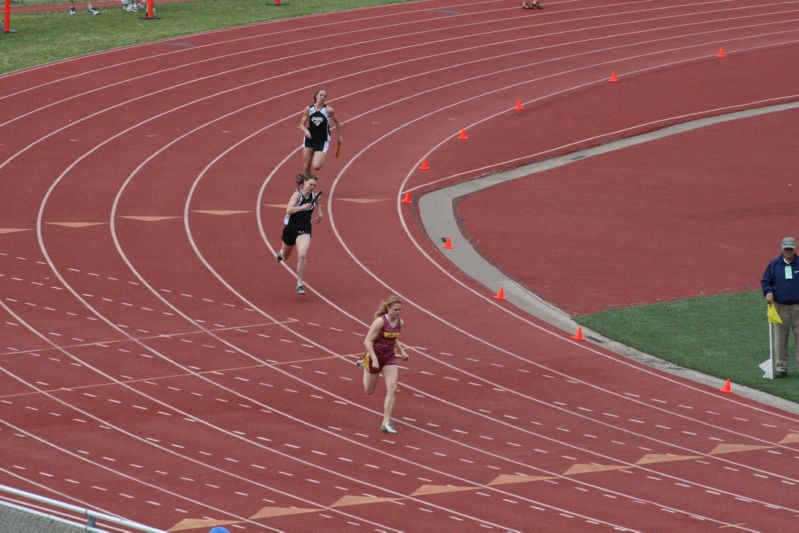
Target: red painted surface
{"type": "Point", "coordinates": [165, 370]}
{"type": "Point", "coordinates": [668, 209]}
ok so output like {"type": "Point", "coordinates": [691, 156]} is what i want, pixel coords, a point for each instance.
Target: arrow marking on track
{"type": "Point", "coordinates": [586, 469]}
{"type": "Point", "coordinates": [664, 458]}
{"type": "Point", "coordinates": [363, 200]}
{"type": "Point", "coordinates": [194, 523]}
{"type": "Point", "coordinates": [505, 479]}
{"type": "Point", "coordinates": [76, 224]}
{"type": "Point", "coordinates": [358, 500]}
{"type": "Point", "coordinates": [791, 438]}
{"type": "Point", "coordinates": [268, 512]}
{"type": "Point", "coordinates": [220, 212]}
{"type": "Point", "coordinates": [731, 448]}
{"type": "Point", "coordinates": [148, 218]}
{"type": "Point", "coordinates": [439, 489]}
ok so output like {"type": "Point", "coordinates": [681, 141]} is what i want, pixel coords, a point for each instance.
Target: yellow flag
{"type": "Point", "coordinates": [773, 316]}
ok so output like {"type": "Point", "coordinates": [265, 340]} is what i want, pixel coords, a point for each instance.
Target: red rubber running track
{"type": "Point", "coordinates": [157, 363]}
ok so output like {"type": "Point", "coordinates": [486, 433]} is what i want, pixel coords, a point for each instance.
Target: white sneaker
{"type": "Point", "coordinates": [72, 11]}
{"type": "Point", "coordinates": [92, 11]}
{"type": "Point", "coordinates": [388, 428]}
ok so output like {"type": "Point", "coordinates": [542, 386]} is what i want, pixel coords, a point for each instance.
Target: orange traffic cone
{"type": "Point", "coordinates": [424, 165]}
{"type": "Point", "coordinates": [721, 53]}
{"type": "Point", "coordinates": [518, 106]}
{"type": "Point", "coordinates": [579, 335]}
{"type": "Point", "coordinates": [726, 387]}
{"type": "Point", "coordinates": [462, 135]}
{"type": "Point", "coordinates": [500, 295]}
{"type": "Point", "coordinates": [613, 78]}
{"type": "Point", "coordinates": [448, 244]}
{"type": "Point", "coordinates": [407, 198]}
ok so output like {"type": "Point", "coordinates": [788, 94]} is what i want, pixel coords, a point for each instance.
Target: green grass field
{"type": "Point", "coordinates": [48, 36]}
{"type": "Point", "coordinates": [723, 336]}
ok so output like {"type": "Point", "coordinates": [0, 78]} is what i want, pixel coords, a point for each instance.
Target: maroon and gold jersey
{"type": "Point", "coordinates": [387, 338]}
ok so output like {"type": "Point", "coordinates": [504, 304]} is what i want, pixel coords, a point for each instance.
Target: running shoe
{"type": "Point", "coordinates": [363, 362]}
{"type": "Point", "coordinates": [278, 257]}
{"type": "Point", "coordinates": [301, 289]}
{"type": "Point", "coordinates": [72, 11]}
{"type": "Point", "coordinates": [388, 428]}
{"type": "Point", "coordinates": [92, 11]}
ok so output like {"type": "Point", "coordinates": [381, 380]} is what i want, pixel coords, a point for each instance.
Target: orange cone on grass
{"type": "Point", "coordinates": [500, 295]}
{"type": "Point", "coordinates": [726, 387]}
{"type": "Point", "coordinates": [579, 335]}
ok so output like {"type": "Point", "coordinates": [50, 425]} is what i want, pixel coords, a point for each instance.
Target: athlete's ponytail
{"type": "Point", "coordinates": [385, 304]}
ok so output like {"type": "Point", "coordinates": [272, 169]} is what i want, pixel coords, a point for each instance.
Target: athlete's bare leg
{"type": "Point", "coordinates": [317, 160]}
{"type": "Point", "coordinates": [390, 375]}
{"type": "Point", "coordinates": [307, 157]}
{"type": "Point", "coordinates": [303, 244]}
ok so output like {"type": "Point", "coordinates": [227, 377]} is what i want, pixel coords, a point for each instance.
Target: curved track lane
{"type": "Point", "coordinates": [157, 364]}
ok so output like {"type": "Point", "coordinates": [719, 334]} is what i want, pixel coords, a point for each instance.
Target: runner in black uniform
{"type": "Point", "coordinates": [315, 125]}
{"type": "Point", "coordinates": [298, 223]}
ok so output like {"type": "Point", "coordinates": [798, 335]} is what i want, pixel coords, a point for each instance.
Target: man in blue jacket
{"type": "Point", "coordinates": [780, 285]}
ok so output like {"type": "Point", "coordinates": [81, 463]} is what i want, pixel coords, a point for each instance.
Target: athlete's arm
{"type": "Point", "coordinates": [401, 353]}
{"type": "Point", "coordinates": [304, 124]}
{"type": "Point", "coordinates": [369, 341]}
{"type": "Point", "coordinates": [292, 206]}
{"type": "Point", "coordinates": [319, 214]}
{"type": "Point", "coordinates": [332, 115]}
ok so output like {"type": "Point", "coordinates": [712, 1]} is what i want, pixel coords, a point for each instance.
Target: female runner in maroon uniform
{"type": "Point", "coordinates": [382, 350]}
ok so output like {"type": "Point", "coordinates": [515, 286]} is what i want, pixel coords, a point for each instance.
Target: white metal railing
{"type": "Point", "coordinates": [51, 518]}
{"type": "Point", "coordinates": [92, 517]}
